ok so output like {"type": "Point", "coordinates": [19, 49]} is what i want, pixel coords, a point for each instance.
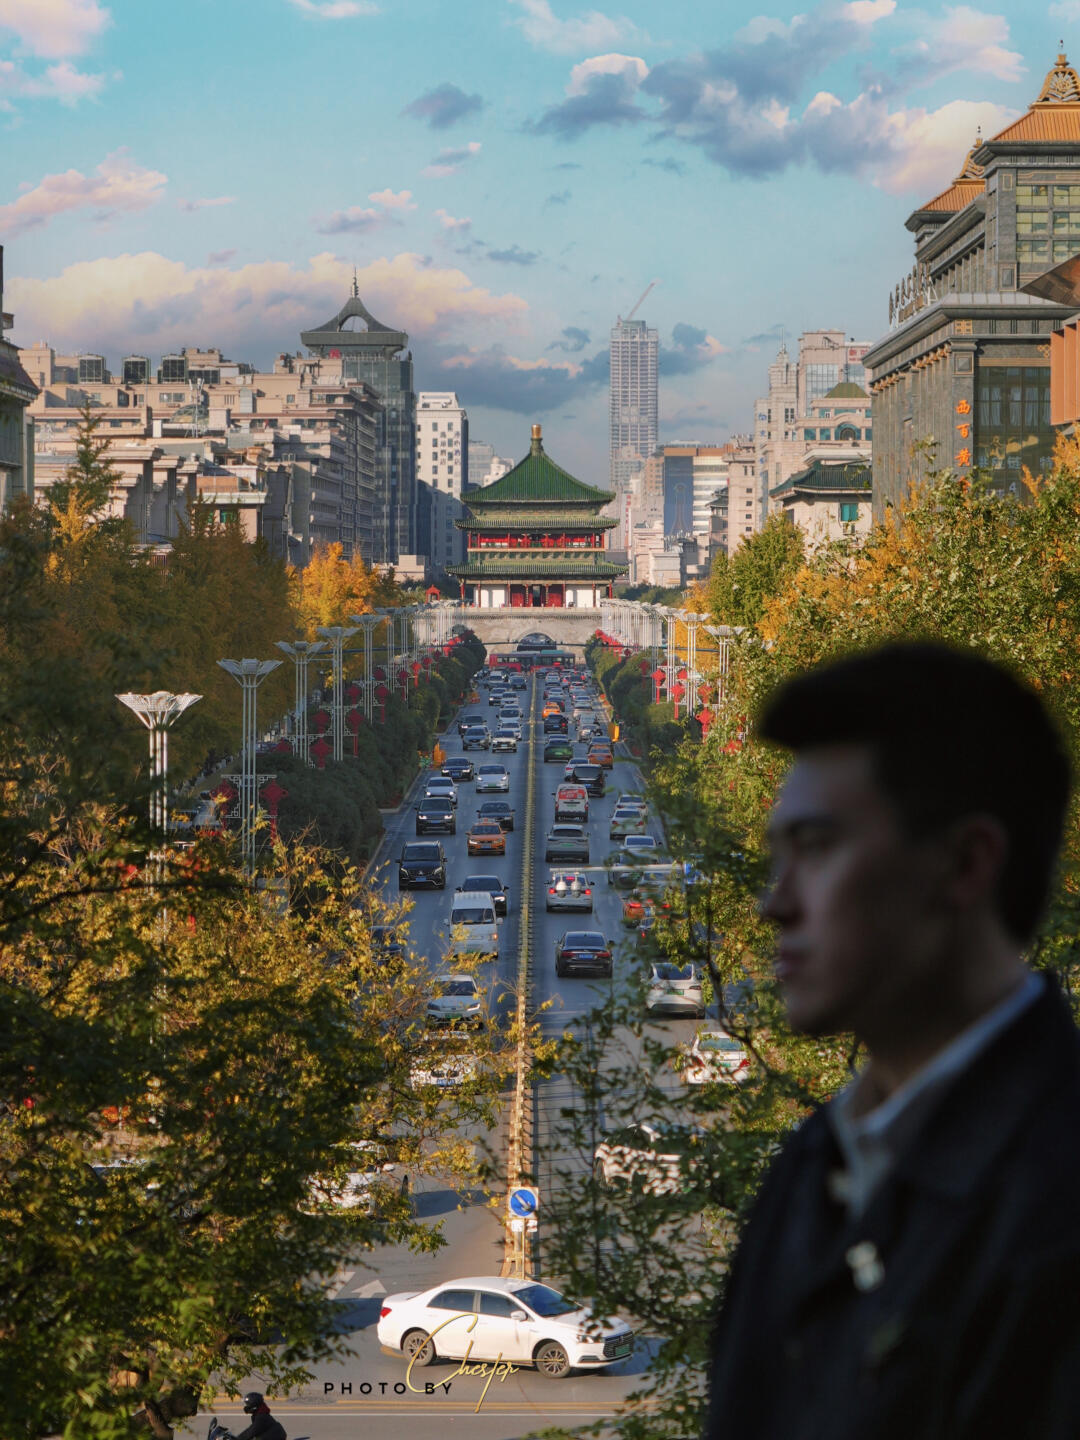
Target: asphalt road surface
{"type": "Point", "coordinates": [346, 1396]}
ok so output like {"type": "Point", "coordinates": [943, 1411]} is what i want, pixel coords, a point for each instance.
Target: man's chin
{"type": "Point", "coordinates": [812, 1017]}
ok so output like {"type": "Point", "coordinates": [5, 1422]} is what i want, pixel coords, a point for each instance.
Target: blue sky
{"type": "Point", "coordinates": [506, 175]}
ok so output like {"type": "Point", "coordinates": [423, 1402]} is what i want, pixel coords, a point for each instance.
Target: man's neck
{"type": "Point", "coordinates": [897, 1053]}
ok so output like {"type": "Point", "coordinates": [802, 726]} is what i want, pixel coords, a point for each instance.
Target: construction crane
{"type": "Point", "coordinates": [641, 301]}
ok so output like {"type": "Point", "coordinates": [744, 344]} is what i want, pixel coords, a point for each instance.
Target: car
{"type": "Point", "coordinates": [510, 712]}
{"type": "Point", "coordinates": [627, 820]}
{"type": "Point", "coordinates": [674, 990]}
{"type": "Point", "coordinates": [476, 738]}
{"type": "Point", "coordinates": [489, 885]}
{"type": "Point", "coordinates": [435, 812]}
{"type": "Point", "coordinates": [458, 767]}
{"type": "Point", "coordinates": [646, 1158]}
{"type": "Point", "coordinates": [567, 842]}
{"type": "Point", "coordinates": [553, 705]}
{"type": "Point", "coordinates": [583, 951]}
{"type": "Point", "coordinates": [558, 750]}
{"type": "Point", "coordinates": [496, 694]}
{"type": "Point", "coordinates": [386, 942]}
{"type": "Point", "coordinates": [572, 803]}
{"type": "Point", "coordinates": [456, 1002]}
{"type": "Point", "coordinates": [626, 865]}
{"type": "Point", "coordinates": [569, 890]}
{"type": "Point", "coordinates": [556, 725]}
{"type": "Point", "coordinates": [500, 810]}
{"type": "Point", "coordinates": [492, 778]}
{"type": "Point", "coordinates": [471, 717]}
{"type": "Point", "coordinates": [642, 904]}
{"type": "Point", "coordinates": [518, 681]}
{"type": "Point", "coordinates": [445, 1062]}
{"type": "Point", "coordinates": [505, 739]}
{"type": "Point", "coordinates": [485, 837]}
{"type": "Point", "coordinates": [441, 785]}
{"type": "Point", "coordinates": [601, 755]}
{"type": "Point", "coordinates": [422, 864]}
{"type": "Point", "coordinates": [500, 1318]}
{"type": "Point", "coordinates": [712, 1058]}
{"type": "Point", "coordinates": [359, 1172]}
{"type": "Point", "coordinates": [591, 776]}
{"type": "Point", "coordinates": [474, 925]}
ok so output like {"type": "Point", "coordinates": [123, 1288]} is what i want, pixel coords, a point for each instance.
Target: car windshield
{"type": "Point", "coordinates": [584, 940]}
{"type": "Point", "coordinates": [495, 807]}
{"type": "Point", "coordinates": [459, 987]}
{"type": "Point", "coordinates": [468, 915]}
{"type": "Point", "coordinates": [489, 883]}
{"type": "Point", "coordinates": [673, 972]}
{"type": "Point", "coordinates": [437, 802]}
{"type": "Point", "coordinates": [640, 842]}
{"type": "Point", "coordinates": [571, 832]}
{"type": "Point", "coordinates": [491, 770]}
{"type": "Point", "coordinates": [719, 1042]}
{"type": "Point", "coordinates": [486, 827]}
{"type": "Point", "coordinates": [544, 1301]}
{"type": "Point", "coordinates": [421, 852]}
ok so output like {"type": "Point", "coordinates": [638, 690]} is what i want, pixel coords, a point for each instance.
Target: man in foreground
{"type": "Point", "coordinates": [911, 1266]}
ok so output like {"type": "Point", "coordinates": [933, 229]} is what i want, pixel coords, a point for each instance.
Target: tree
{"type": "Point", "coordinates": [740, 584]}
{"type": "Point", "coordinates": [330, 588]}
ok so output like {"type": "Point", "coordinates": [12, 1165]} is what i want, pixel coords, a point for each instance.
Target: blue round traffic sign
{"type": "Point", "coordinates": [524, 1201]}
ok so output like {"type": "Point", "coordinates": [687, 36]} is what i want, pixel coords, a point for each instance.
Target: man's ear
{"type": "Point", "coordinates": [977, 847]}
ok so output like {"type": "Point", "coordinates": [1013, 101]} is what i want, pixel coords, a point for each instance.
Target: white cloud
{"type": "Point", "coordinates": [868, 12]}
{"type": "Point", "coordinates": [119, 185]}
{"type": "Point", "coordinates": [335, 9]}
{"type": "Point", "coordinates": [61, 81]}
{"type": "Point", "coordinates": [449, 162]}
{"type": "Point", "coordinates": [451, 222]}
{"type": "Point", "coordinates": [206, 204]}
{"type": "Point", "coordinates": [1066, 10]}
{"type": "Point", "coordinates": [630, 66]}
{"type": "Point", "coordinates": [389, 201]}
{"type": "Point", "coordinates": [53, 29]}
{"type": "Point", "coordinates": [148, 301]}
{"type": "Point", "coordinates": [354, 221]}
{"type": "Point", "coordinates": [929, 145]}
{"type": "Point", "coordinates": [977, 41]}
{"type": "Point", "coordinates": [591, 31]}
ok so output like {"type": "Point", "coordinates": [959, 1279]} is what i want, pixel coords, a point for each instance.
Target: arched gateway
{"type": "Point", "coordinates": [535, 540]}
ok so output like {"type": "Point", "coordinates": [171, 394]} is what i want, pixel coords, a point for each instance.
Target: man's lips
{"type": "Point", "coordinates": [788, 963]}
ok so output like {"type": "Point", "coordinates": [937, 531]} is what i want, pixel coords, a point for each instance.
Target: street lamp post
{"type": "Point", "coordinates": [368, 622]}
{"type": "Point", "coordinates": [157, 711]}
{"type": "Point", "coordinates": [250, 674]}
{"type": "Point", "coordinates": [335, 636]}
{"type": "Point", "coordinates": [300, 652]}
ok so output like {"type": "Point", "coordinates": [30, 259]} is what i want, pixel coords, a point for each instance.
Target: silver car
{"type": "Point", "coordinates": [492, 778]}
{"type": "Point", "coordinates": [569, 890]}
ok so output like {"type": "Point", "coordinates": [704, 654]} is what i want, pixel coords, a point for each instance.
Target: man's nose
{"type": "Point", "coordinates": [777, 901]}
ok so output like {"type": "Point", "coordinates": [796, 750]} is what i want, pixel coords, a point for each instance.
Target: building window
{"type": "Point", "coordinates": [809, 434]}
{"type": "Point", "coordinates": [849, 510]}
{"type": "Point", "coordinates": [825, 434]}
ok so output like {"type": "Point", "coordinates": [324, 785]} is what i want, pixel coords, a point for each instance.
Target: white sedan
{"type": "Point", "coordinates": [492, 778]}
{"type": "Point", "coordinates": [675, 990]}
{"type": "Point", "coordinates": [441, 785]}
{"type": "Point", "coordinates": [712, 1058]}
{"type": "Point", "coordinates": [488, 1318]}
{"type": "Point", "coordinates": [641, 1156]}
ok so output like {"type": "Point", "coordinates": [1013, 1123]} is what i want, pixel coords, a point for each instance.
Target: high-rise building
{"type": "Point", "coordinates": [379, 356]}
{"type": "Point", "coordinates": [485, 467]}
{"type": "Point", "coordinates": [634, 410]}
{"type": "Point", "coordinates": [17, 392]}
{"type": "Point", "coordinates": [966, 363]}
{"type": "Point", "coordinates": [442, 476]}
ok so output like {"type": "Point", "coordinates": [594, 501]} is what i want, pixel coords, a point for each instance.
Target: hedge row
{"type": "Point", "coordinates": [649, 728]}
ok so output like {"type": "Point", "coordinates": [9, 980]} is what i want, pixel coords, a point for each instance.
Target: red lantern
{"type": "Point", "coordinates": [677, 693]}
{"type": "Point", "coordinates": [705, 718]}
{"type": "Point", "coordinates": [704, 690]}
{"type": "Point", "coordinates": [353, 721]}
{"type": "Point", "coordinates": [273, 794]}
{"type": "Point", "coordinates": [321, 721]}
{"type": "Point", "coordinates": [658, 680]}
{"type": "Point", "coordinates": [319, 751]}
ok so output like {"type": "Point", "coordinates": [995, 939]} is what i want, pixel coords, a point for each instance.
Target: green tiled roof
{"type": "Point", "coordinates": [537, 479]}
{"type": "Point", "coordinates": [539, 567]}
{"type": "Point", "coordinates": [819, 476]}
{"type": "Point", "coordinates": [525, 519]}
{"type": "Point", "coordinates": [846, 390]}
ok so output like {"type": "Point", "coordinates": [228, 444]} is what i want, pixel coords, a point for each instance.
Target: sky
{"type": "Point", "coordinates": [506, 176]}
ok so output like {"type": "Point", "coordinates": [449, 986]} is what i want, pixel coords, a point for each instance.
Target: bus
{"type": "Point", "coordinates": [530, 659]}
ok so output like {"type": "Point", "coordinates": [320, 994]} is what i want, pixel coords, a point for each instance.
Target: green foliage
{"type": "Point", "coordinates": [740, 584]}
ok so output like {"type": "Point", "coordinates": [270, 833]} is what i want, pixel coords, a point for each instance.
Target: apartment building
{"type": "Point", "coordinates": [442, 476]}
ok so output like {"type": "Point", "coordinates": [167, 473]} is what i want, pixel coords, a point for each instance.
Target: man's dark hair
{"type": "Point", "coordinates": [952, 734]}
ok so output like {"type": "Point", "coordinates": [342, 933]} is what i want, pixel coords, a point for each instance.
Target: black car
{"type": "Point", "coordinates": [500, 810]}
{"type": "Point", "coordinates": [422, 864]}
{"type": "Point", "coordinates": [518, 681]}
{"type": "Point", "coordinates": [556, 725]}
{"type": "Point", "coordinates": [582, 952]}
{"type": "Point", "coordinates": [458, 767]}
{"type": "Point", "coordinates": [435, 812]}
{"type": "Point", "coordinates": [474, 717]}
{"type": "Point", "coordinates": [591, 776]}
{"type": "Point", "coordinates": [386, 942]}
{"type": "Point", "coordinates": [489, 885]}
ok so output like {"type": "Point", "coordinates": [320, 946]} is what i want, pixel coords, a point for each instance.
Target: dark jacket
{"type": "Point", "coordinates": [263, 1427]}
{"type": "Point", "coordinates": [973, 1330]}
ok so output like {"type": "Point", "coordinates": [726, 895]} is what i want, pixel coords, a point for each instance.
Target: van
{"type": "Point", "coordinates": [572, 803]}
{"type": "Point", "coordinates": [474, 928]}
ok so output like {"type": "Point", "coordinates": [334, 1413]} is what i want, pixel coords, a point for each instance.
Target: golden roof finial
{"type": "Point", "coordinates": [537, 444]}
{"type": "Point", "coordinates": [1062, 84]}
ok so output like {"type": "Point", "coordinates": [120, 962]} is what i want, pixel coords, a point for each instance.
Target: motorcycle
{"type": "Point", "coordinates": [219, 1432]}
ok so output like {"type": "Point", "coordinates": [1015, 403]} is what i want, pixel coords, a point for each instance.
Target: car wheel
{"type": "Point", "coordinates": [442, 883]}
{"type": "Point", "coordinates": [419, 1347]}
{"type": "Point", "coordinates": [559, 971]}
{"type": "Point", "coordinates": [552, 1360]}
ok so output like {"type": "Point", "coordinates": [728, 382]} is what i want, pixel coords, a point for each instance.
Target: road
{"type": "Point", "coordinates": [370, 1384]}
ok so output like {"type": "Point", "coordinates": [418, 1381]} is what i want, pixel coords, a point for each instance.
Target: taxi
{"type": "Point", "coordinates": [485, 837]}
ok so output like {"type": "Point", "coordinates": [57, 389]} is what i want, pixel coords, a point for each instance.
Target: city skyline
{"type": "Point", "coordinates": [504, 190]}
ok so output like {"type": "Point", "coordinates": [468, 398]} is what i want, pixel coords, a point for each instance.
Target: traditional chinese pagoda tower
{"type": "Point", "coordinates": [535, 538]}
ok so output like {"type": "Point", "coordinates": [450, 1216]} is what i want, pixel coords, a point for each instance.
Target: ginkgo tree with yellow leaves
{"type": "Point", "coordinates": [330, 587]}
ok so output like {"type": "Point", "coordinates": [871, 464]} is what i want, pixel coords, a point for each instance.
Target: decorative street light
{"type": "Point", "coordinates": [157, 711]}
{"type": "Point", "coordinates": [368, 622]}
{"type": "Point", "coordinates": [336, 635]}
{"type": "Point", "coordinates": [300, 652]}
{"type": "Point", "coordinates": [250, 674]}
